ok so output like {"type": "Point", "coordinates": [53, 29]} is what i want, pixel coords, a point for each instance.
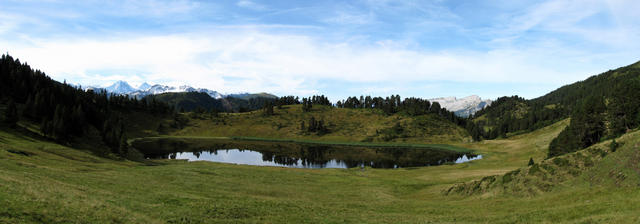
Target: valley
{"type": "Point", "coordinates": [382, 159]}
{"type": "Point", "coordinates": [47, 182]}
{"type": "Point", "coordinates": [374, 111]}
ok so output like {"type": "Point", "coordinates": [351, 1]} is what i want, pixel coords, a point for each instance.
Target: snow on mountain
{"type": "Point", "coordinates": [462, 107]}
{"type": "Point", "coordinates": [120, 87]}
{"type": "Point", "coordinates": [144, 86]}
{"type": "Point", "coordinates": [212, 93]}
{"type": "Point", "coordinates": [145, 89]}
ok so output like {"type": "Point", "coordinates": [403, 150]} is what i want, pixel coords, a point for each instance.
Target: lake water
{"type": "Point", "coordinates": [297, 155]}
{"type": "Point", "coordinates": [248, 157]}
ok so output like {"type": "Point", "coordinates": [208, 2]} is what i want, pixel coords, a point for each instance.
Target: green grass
{"type": "Point", "coordinates": [345, 125]}
{"type": "Point", "coordinates": [58, 184]}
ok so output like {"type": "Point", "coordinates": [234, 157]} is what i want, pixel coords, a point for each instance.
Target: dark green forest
{"type": "Point", "coordinates": [601, 107]}
{"type": "Point", "coordinates": [197, 101]}
{"type": "Point", "coordinates": [65, 112]}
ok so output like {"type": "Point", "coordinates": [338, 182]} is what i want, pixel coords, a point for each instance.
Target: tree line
{"type": "Point", "coordinates": [393, 104]}
{"type": "Point", "coordinates": [601, 107]}
{"type": "Point", "coordinates": [64, 111]}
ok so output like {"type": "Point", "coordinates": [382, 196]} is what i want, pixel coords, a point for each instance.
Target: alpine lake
{"type": "Point", "coordinates": [298, 155]}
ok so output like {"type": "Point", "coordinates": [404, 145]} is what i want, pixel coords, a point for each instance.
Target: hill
{"type": "Point", "coordinates": [190, 101]}
{"type": "Point", "coordinates": [342, 124]}
{"type": "Point", "coordinates": [66, 114]}
{"type": "Point", "coordinates": [603, 106]}
{"type": "Point", "coordinates": [248, 96]}
{"type": "Point", "coordinates": [42, 181]}
{"type": "Point", "coordinates": [608, 164]}
{"type": "Point", "coordinates": [64, 157]}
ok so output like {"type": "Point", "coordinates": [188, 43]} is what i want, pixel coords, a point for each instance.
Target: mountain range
{"type": "Point", "coordinates": [463, 107]}
{"type": "Point", "coordinates": [146, 89]}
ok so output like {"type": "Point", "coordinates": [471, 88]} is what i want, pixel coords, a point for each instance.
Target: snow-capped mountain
{"type": "Point", "coordinates": [144, 86]}
{"type": "Point", "coordinates": [212, 93]}
{"type": "Point", "coordinates": [145, 89]}
{"type": "Point", "coordinates": [120, 87]}
{"type": "Point", "coordinates": [462, 107]}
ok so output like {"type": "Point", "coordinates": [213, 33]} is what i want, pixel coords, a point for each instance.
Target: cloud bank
{"type": "Point", "coordinates": [549, 43]}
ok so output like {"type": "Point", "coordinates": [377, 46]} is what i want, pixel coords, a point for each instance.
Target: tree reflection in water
{"type": "Point", "coordinates": [312, 156]}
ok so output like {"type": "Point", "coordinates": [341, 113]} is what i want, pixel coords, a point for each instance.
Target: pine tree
{"type": "Point", "coordinates": [613, 146]}
{"type": "Point", "coordinates": [160, 128]}
{"type": "Point", "coordinates": [312, 124]}
{"type": "Point", "coordinates": [435, 107]}
{"type": "Point", "coordinates": [123, 148]}
{"type": "Point", "coordinates": [531, 162]}
{"type": "Point", "coordinates": [59, 123]}
{"type": "Point", "coordinates": [268, 109]}
{"type": "Point", "coordinates": [78, 121]}
{"type": "Point", "coordinates": [11, 114]}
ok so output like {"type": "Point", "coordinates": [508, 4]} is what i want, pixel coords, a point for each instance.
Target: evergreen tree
{"type": "Point", "coordinates": [59, 123]}
{"type": "Point", "coordinates": [531, 162]}
{"type": "Point", "coordinates": [11, 114]}
{"type": "Point", "coordinates": [585, 129]}
{"type": "Point", "coordinates": [123, 148]}
{"type": "Point", "coordinates": [613, 146]}
{"type": "Point", "coordinates": [161, 128]}
{"type": "Point", "coordinates": [307, 104]}
{"type": "Point", "coordinates": [268, 109]}
{"type": "Point", "coordinates": [435, 107]}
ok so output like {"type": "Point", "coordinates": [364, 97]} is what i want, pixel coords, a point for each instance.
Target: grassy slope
{"type": "Point", "coordinates": [345, 125]}
{"type": "Point", "coordinates": [59, 184]}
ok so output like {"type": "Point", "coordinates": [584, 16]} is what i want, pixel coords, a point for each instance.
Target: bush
{"type": "Point", "coordinates": [613, 146]}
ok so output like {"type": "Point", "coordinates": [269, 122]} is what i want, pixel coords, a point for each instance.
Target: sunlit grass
{"type": "Point", "coordinates": [58, 184]}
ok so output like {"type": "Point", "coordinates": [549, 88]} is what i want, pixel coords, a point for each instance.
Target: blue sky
{"type": "Point", "coordinates": [337, 48]}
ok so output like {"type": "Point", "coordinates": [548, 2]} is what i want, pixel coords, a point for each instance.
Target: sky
{"type": "Point", "coordinates": [423, 49]}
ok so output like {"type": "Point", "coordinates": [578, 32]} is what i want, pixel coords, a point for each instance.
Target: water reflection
{"type": "Point", "coordinates": [311, 156]}
{"type": "Point", "coordinates": [466, 158]}
{"type": "Point", "coordinates": [248, 157]}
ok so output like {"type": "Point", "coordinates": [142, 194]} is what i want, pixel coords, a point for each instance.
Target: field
{"type": "Point", "coordinates": [42, 182]}
{"type": "Point", "coordinates": [345, 125]}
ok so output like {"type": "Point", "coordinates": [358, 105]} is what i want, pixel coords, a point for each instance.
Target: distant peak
{"type": "Point", "coordinates": [120, 87]}
{"type": "Point", "coordinates": [473, 97]}
{"type": "Point", "coordinates": [121, 83]}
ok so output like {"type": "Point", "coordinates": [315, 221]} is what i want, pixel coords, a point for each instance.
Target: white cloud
{"type": "Point", "coordinates": [154, 8]}
{"type": "Point", "coordinates": [351, 17]}
{"type": "Point", "coordinates": [291, 64]}
{"type": "Point", "coordinates": [568, 17]}
{"type": "Point", "coordinates": [251, 5]}
{"type": "Point", "coordinates": [280, 58]}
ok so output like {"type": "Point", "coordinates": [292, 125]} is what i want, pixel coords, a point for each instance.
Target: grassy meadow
{"type": "Point", "coordinates": [43, 182]}
{"type": "Point", "coordinates": [345, 125]}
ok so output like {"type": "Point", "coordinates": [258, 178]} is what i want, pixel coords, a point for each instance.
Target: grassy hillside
{"type": "Point", "coordinates": [601, 165]}
{"type": "Point", "coordinates": [618, 89]}
{"type": "Point", "coordinates": [248, 96]}
{"type": "Point", "coordinates": [190, 101]}
{"type": "Point", "coordinates": [81, 179]}
{"type": "Point", "coordinates": [47, 182]}
{"type": "Point", "coordinates": [344, 125]}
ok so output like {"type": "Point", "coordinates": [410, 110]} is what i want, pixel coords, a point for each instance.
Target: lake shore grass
{"type": "Point", "coordinates": [44, 182]}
